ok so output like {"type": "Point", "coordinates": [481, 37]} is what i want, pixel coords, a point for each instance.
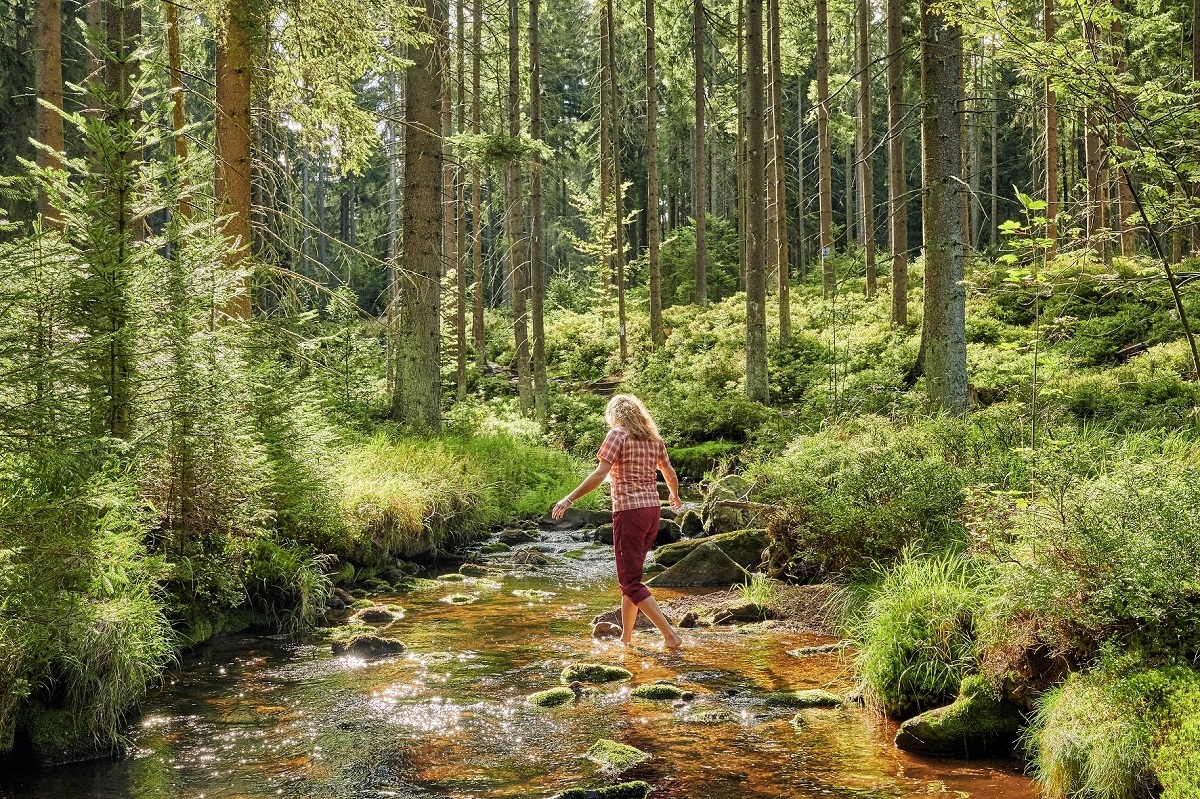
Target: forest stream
{"type": "Point", "coordinates": [252, 716]}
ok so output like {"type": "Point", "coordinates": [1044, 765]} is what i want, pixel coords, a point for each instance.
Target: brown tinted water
{"type": "Point", "coordinates": [271, 717]}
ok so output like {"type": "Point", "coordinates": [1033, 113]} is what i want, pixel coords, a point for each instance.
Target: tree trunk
{"type": "Point", "coordinates": [743, 125]}
{"type": "Point", "coordinates": [653, 234]}
{"type": "Point", "coordinates": [1121, 103]}
{"type": "Point", "coordinates": [477, 291]}
{"type": "Point", "coordinates": [231, 183]}
{"type": "Point", "coordinates": [824, 155]}
{"type": "Point", "coordinates": [756, 289]}
{"type": "Point", "coordinates": [460, 200]}
{"type": "Point", "coordinates": [450, 207]}
{"type": "Point", "coordinates": [541, 390]}
{"type": "Point", "coordinates": [417, 400]}
{"type": "Point", "coordinates": [974, 229]}
{"type": "Point", "coordinates": [516, 218]}
{"type": "Point", "coordinates": [178, 120]}
{"type": "Point", "coordinates": [866, 178]}
{"type": "Point", "coordinates": [699, 203]}
{"type": "Point", "coordinates": [393, 233]}
{"type": "Point", "coordinates": [897, 173]}
{"type": "Point", "coordinates": [944, 334]}
{"type": "Point", "coordinates": [1048, 25]}
{"type": "Point", "coordinates": [770, 183]}
{"type": "Point", "coordinates": [604, 162]}
{"type": "Point", "coordinates": [801, 231]}
{"type": "Point", "coordinates": [779, 175]}
{"type": "Point", "coordinates": [993, 218]}
{"type": "Point", "coordinates": [614, 140]}
{"type": "Point", "coordinates": [48, 77]}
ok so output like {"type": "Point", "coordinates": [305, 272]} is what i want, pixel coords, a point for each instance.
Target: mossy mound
{"type": "Point", "coordinates": [362, 604]}
{"type": "Point", "coordinates": [475, 570]}
{"type": "Point", "coordinates": [659, 692]}
{"type": "Point", "coordinates": [497, 546]}
{"type": "Point", "coordinates": [616, 756]}
{"type": "Point", "coordinates": [977, 723]}
{"type": "Point", "coordinates": [595, 672]}
{"type": "Point", "coordinates": [453, 577]}
{"type": "Point", "coordinates": [376, 614]}
{"type": "Point", "coordinates": [367, 646]}
{"type": "Point", "coordinates": [533, 593]}
{"type": "Point", "coordinates": [461, 599]}
{"type": "Point", "coordinates": [624, 790]}
{"type": "Point", "coordinates": [552, 698]}
{"type": "Point", "coordinates": [820, 649]}
{"type": "Point", "coordinates": [743, 547]}
{"type": "Point", "coordinates": [715, 715]}
{"type": "Point", "coordinates": [811, 698]}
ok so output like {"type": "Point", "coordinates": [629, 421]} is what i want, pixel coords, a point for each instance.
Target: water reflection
{"type": "Point", "coordinates": [259, 717]}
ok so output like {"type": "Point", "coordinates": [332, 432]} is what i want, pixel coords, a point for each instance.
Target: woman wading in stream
{"type": "Point", "coordinates": [631, 456]}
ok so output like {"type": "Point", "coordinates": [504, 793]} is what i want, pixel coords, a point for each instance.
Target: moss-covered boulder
{"type": "Point", "coordinates": [744, 547]}
{"type": "Point", "coordinates": [55, 737]}
{"type": "Point", "coordinates": [560, 695]}
{"type": "Point", "coordinates": [616, 756]}
{"type": "Point", "coordinates": [367, 646]}
{"type": "Point", "coordinates": [719, 517]}
{"type": "Point", "coordinates": [376, 614]}
{"type": "Point", "coordinates": [811, 698]}
{"type": "Point", "coordinates": [706, 565]}
{"type": "Point", "coordinates": [362, 604]}
{"type": "Point", "coordinates": [658, 692]}
{"type": "Point", "coordinates": [494, 547]}
{"type": "Point", "coordinates": [691, 523]}
{"type": "Point", "coordinates": [743, 613]}
{"type": "Point", "coordinates": [594, 672]}
{"type": "Point", "coordinates": [515, 535]}
{"type": "Point", "coordinates": [604, 534]}
{"type": "Point", "coordinates": [979, 722]}
{"type": "Point", "coordinates": [461, 599]}
{"type": "Point", "coordinates": [668, 533]}
{"type": "Point", "coordinates": [819, 649]}
{"type": "Point", "coordinates": [624, 790]}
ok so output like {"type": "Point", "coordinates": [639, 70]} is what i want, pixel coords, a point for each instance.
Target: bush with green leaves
{"type": "Point", "coordinates": [916, 634]}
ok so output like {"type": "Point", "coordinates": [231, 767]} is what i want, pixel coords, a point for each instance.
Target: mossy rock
{"type": "Point", "coordinates": [574, 554]}
{"type": "Point", "coordinates": [624, 790]}
{"type": "Point", "coordinates": [705, 565]}
{"type": "Point", "coordinates": [554, 697]}
{"type": "Point", "coordinates": [820, 649]}
{"type": "Point", "coordinates": [359, 593]}
{"type": "Point", "coordinates": [533, 593]}
{"type": "Point", "coordinates": [811, 698]}
{"type": "Point", "coordinates": [453, 577]}
{"type": "Point", "coordinates": [616, 756]}
{"type": "Point", "coordinates": [659, 692]}
{"type": "Point", "coordinates": [744, 547]}
{"type": "Point", "coordinates": [367, 646]}
{"type": "Point", "coordinates": [691, 523]}
{"type": "Point", "coordinates": [475, 570]}
{"type": "Point", "coordinates": [55, 737]}
{"type": "Point", "coordinates": [362, 604]}
{"type": "Point", "coordinates": [595, 672]}
{"type": "Point", "coordinates": [714, 715]}
{"type": "Point", "coordinates": [344, 575]}
{"type": "Point", "coordinates": [461, 599]}
{"type": "Point", "coordinates": [498, 546]}
{"type": "Point", "coordinates": [376, 614]}
{"type": "Point", "coordinates": [977, 723]}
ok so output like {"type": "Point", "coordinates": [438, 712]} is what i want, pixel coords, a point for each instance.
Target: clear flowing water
{"type": "Point", "coordinates": [249, 716]}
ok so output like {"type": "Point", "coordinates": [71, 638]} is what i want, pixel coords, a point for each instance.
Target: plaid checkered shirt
{"type": "Point", "coordinates": [635, 464]}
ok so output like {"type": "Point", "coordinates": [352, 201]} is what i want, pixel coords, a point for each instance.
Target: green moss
{"type": "Point", "coordinates": [810, 698]}
{"type": "Point", "coordinates": [361, 604]}
{"type": "Point", "coordinates": [624, 790]}
{"type": "Point", "coordinates": [714, 715]}
{"type": "Point", "coordinates": [615, 756]}
{"type": "Point", "coordinates": [461, 599]}
{"type": "Point", "coordinates": [454, 577]}
{"type": "Point", "coordinates": [657, 692]}
{"type": "Point", "coordinates": [532, 593]}
{"type": "Point", "coordinates": [498, 546]}
{"type": "Point", "coordinates": [552, 698]}
{"type": "Point", "coordinates": [574, 554]}
{"type": "Point", "coordinates": [977, 722]}
{"type": "Point", "coordinates": [594, 672]}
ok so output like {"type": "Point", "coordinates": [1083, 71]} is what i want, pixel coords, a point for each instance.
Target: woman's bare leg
{"type": "Point", "coordinates": [671, 639]}
{"type": "Point", "coordinates": [629, 613]}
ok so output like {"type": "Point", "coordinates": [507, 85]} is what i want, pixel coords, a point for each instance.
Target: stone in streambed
{"type": "Point", "coordinates": [624, 790]}
{"type": "Point", "coordinates": [659, 692]}
{"type": "Point", "coordinates": [811, 698]}
{"type": "Point", "coordinates": [367, 646]}
{"type": "Point", "coordinates": [977, 723]}
{"type": "Point", "coordinates": [820, 649]}
{"type": "Point", "coordinates": [668, 533]}
{"type": "Point", "coordinates": [606, 629]}
{"type": "Point", "coordinates": [691, 524]}
{"type": "Point", "coordinates": [376, 614]}
{"type": "Point", "coordinates": [515, 535]}
{"type": "Point", "coordinates": [616, 756]}
{"type": "Point", "coordinates": [594, 672]}
{"type": "Point", "coordinates": [604, 534]}
{"type": "Point", "coordinates": [614, 617]}
{"type": "Point", "coordinates": [744, 547]}
{"type": "Point", "coordinates": [552, 698]}
{"type": "Point", "coordinates": [743, 613]}
{"type": "Point", "coordinates": [714, 715]}
{"type": "Point", "coordinates": [575, 518]}
{"type": "Point", "coordinates": [494, 547]}
{"type": "Point", "coordinates": [705, 565]}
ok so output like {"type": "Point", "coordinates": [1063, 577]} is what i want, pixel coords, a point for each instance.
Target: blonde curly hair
{"type": "Point", "coordinates": [627, 411]}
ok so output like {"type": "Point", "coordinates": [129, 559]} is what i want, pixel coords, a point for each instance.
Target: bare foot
{"type": "Point", "coordinates": [674, 642]}
{"type": "Point", "coordinates": [626, 641]}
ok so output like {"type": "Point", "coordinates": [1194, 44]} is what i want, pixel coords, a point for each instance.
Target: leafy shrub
{"type": "Point", "coordinates": [916, 637]}
{"type": "Point", "coordinates": [286, 582]}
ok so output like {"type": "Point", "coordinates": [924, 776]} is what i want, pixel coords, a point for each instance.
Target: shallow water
{"type": "Point", "coordinates": [256, 717]}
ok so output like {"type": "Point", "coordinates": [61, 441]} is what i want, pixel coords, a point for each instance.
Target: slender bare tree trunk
{"type": "Point", "coordinates": [516, 217]}
{"type": "Point", "coordinates": [993, 219]}
{"type": "Point", "coordinates": [477, 330]}
{"type": "Point", "coordinates": [770, 182]}
{"type": "Point", "coordinates": [825, 185]}
{"type": "Point", "coordinates": [605, 164]}
{"type": "Point", "coordinates": [231, 184]}
{"type": "Point", "coordinates": [974, 230]}
{"type": "Point", "coordinates": [779, 175]}
{"type": "Point", "coordinates": [618, 194]}
{"type": "Point", "coordinates": [47, 23]}
{"type": "Point", "coordinates": [699, 180]}
{"type": "Point", "coordinates": [418, 396]}
{"type": "Point", "coordinates": [460, 199]}
{"type": "Point", "coordinates": [178, 121]}
{"type": "Point", "coordinates": [1048, 25]}
{"type": "Point", "coordinates": [756, 288]}
{"type": "Point", "coordinates": [1121, 105]}
{"type": "Point", "coordinates": [1196, 78]}
{"type": "Point", "coordinates": [393, 230]}
{"type": "Point", "coordinates": [801, 231]}
{"type": "Point", "coordinates": [449, 207]}
{"type": "Point", "coordinates": [743, 125]}
{"type": "Point", "coordinates": [541, 395]}
{"type": "Point", "coordinates": [866, 178]}
{"type": "Point", "coordinates": [945, 251]}
{"type": "Point", "coordinates": [897, 173]}
{"type": "Point", "coordinates": [653, 234]}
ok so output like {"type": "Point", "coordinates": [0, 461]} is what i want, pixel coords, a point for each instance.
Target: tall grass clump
{"type": "Point", "coordinates": [916, 634]}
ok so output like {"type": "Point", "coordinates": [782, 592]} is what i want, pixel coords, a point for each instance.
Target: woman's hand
{"type": "Point", "coordinates": [560, 508]}
{"type": "Point", "coordinates": [675, 501]}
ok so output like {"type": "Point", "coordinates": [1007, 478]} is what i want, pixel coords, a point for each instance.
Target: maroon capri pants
{"type": "Point", "coordinates": [634, 532]}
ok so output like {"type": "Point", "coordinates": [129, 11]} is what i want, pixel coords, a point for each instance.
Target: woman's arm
{"type": "Point", "coordinates": [589, 484]}
{"type": "Point", "coordinates": [668, 473]}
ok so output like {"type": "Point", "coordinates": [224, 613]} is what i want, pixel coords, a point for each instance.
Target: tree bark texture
{"type": "Point", "coordinates": [653, 234]}
{"type": "Point", "coordinates": [756, 289]}
{"type": "Point", "coordinates": [866, 178]}
{"type": "Point", "coordinates": [417, 399]}
{"type": "Point", "coordinates": [477, 291]}
{"type": "Point", "coordinates": [48, 77]}
{"type": "Point", "coordinates": [699, 160]}
{"type": "Point", "coordinates": [897, 173]}
{"type": "Point", "coordinates": [1048, 25]}
{"type": "Point", "coordinates": [824, 154]}
{"type": "Point", "coordinates": [231, 184]}
{"type": "Point", "coordinates": [944, 332]}
{"type": "Point", "coordinates": [779, 175]}
{"type": "Point", "coordinates": [541, 395]}
{"type": "Point", "coordinates": [517, 265]}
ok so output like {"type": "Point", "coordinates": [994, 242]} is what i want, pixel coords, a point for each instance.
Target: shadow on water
{"type": "Point", "coordinates": [264, 717]}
